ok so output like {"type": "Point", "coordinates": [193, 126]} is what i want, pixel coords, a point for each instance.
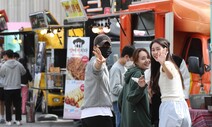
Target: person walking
{"type": "Point", "coordinates": [117, 72]}
{"type": "Point", "coordinates": [24, 84]}
{"type": "Point", "coordinates": [11, 71]}
{"type": "Point", "coordinates": [166, 79]}
{"type": "Point", "coordinates": [133, 100]}
{"type": "Point", "coordinates": [96, 109]}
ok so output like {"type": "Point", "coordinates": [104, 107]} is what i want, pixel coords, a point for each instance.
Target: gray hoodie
{"type": "Point", "coordinates": [11, 71]}
{"type": "Point", "coordinates": [97, 89]}
{"type": "Point", "coordinates": [1, 78]}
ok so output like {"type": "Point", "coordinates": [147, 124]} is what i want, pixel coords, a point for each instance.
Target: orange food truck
{"type": "Point", "coordinates": [185, 23]}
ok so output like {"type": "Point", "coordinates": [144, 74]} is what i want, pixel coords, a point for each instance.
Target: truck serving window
{"type": "Point", "coordinates": [143, 27]}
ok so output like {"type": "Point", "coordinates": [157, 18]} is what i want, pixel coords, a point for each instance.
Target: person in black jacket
{"type": "Point", "coordinates": [24, 84]}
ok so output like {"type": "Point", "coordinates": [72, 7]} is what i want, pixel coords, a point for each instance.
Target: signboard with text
{"type": "Point", "coordinates": [77, 58]}
{"type": "Point", "coordinates": [74, 10]}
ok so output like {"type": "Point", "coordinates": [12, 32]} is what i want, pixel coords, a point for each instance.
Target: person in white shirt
{"type": "Point", "coordinates": [155, 98]}
{"type": "Point", "coordinates": [166, 78]}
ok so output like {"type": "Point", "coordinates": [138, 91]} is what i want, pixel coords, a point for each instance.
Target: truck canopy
{"type": "Point", "coordinates": [192, 16]}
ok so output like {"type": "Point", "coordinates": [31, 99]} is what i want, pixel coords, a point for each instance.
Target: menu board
{"type": "Point", "coordinates": [3, 24]}
{"type": "Point", "coordinates": [3, 20]}
{"type": "Point", "coordinates": [42, 19]}
{"type": "Point", "coordinates": [40, 55]}
{"type": "Point", "coordinates": [38, 20]}
{"type": "Point", "coordinates": [74, 10]}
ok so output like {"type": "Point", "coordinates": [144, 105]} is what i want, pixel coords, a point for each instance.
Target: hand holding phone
{"type": "Point", "coordinates": [135, 79]}
{"type": "Point", "coordinates": [141, 81]}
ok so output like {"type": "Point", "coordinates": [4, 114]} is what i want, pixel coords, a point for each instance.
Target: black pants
{"type": "Point", "coordinates": [98, 121]}
{"type": "Point", "coordinates": [13, 97]}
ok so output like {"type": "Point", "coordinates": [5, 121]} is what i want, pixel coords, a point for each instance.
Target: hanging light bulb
{"type": "Point", "coordinates": [106, 29]}
{"type": "Point", "coordinates": [55, 31]}
{"type": "Point", "coordinates": [95, 29]}
{"type": "Point", "coordinates": [44, 31]}
{"type": "Point", "coordinates": [51, 34]}
{"type": "Point", "coordinates": [59, 29]}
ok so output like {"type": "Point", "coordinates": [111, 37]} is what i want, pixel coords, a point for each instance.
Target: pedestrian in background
{"type": "Point", "coordinates": [16, 56]}
{"type": "Point", "coordinates": [2, 119]}
{"type": "Point", "coordinates": [167, 79]}
{"type": "Point", "coordinates": [11, 71]}
{"type": "Point", "coordinates": [24, 84]}
{"type": "Point", "coordinates": [96, 109]}
{"type": "Point", "coordinates": [133, 100]}
{"type": "Point", "coordinates": [117, 78]}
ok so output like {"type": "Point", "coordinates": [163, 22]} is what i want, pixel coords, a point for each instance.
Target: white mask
{"type": "Point", "coordinates": [129, 64]}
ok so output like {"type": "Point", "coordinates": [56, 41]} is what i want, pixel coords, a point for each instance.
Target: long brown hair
{"type": "Point", "coordinates": [155, 66]}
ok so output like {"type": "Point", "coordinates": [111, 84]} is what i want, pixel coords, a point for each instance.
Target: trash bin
{"type": "Point", "coordinates": [30, 112]}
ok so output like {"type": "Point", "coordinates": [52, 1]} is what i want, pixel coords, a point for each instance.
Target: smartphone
{"type": "Point", "coordinates": [135, 79]}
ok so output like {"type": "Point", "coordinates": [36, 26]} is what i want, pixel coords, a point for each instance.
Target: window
{"type": "Point", "coordinates": [143, 27]}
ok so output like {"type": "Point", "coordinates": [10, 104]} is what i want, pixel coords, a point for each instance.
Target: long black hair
{"type": "Point", "coordinates": [155, 66]}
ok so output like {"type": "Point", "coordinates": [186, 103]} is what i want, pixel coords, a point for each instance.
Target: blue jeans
{"type": "Point", "coordinates": [117, 113]}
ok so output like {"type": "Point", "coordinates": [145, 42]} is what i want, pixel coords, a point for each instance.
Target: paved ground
{"type": "Point", "coordinates": [60, 122]}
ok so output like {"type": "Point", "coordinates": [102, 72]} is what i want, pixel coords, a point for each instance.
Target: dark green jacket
{"type": "Point", "coordinates": [133, 102]}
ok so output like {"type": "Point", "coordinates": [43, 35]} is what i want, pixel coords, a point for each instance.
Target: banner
{"type": "Point", "coordinates": [36, 87]}
{"type": "Point", "coordinates": [40, 57]}
{"type": "Point", "coordinates": [77, 58]}
{"type": "Point", "coordinates": [74, 10]}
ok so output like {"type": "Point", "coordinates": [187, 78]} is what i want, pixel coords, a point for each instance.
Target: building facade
{"type": "Point", "coordinates": [19, 10]}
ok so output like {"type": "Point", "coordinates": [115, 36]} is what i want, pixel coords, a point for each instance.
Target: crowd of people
{"type": "Point", "coordinates": [151, 93]}
{"type": "Point", "coordinates": [142, 89]}
{"type": "Point", "coordinates": [14, 77]}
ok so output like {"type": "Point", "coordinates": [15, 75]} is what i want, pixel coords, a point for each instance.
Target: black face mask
{"type": "Point", "coordinates": [106, 51]}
